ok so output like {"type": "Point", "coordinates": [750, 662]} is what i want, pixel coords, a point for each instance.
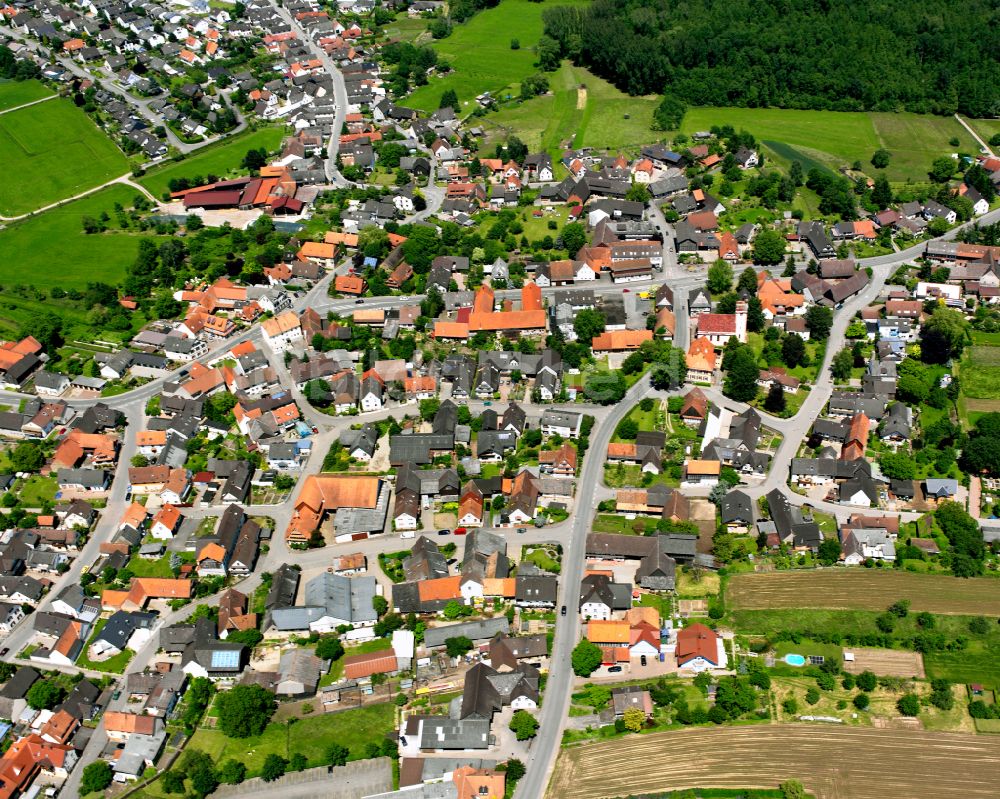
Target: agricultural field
{"type": "Point", "coordinates": [56, 152]}
{"type": "Point", "coordinates": [833, 762]}
{"type": "Point", "coordinates": [837, 589]}
{"type": "Point", "coordinates": [888, 662]}
{"type": "Point", "coordinates": [216, 159]}
{"type": "Point", "coordinates": [481, 57]}
{"type": "Point", "coordinates": [15, 93]}
{"type": "Point", "coordinates": [580, 110]}
{"type": "Point", "coordinates": [835, 139]}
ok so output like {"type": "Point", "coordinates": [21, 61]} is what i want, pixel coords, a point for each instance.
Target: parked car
{"type": "Point", "coordinates": [359, 301]}
{"type": "Point", "coordinates": [444, 532]}
{"type": "Point", "coordinates": [642, 660]}
{"type": "Point", "coordinates": [614, 669]}
{"type": "Point", "coordinates": [460, 531]}
{"type": "Point", "coordinates": [4, 651]}
{"type": "Point", "coordinates": [522, 530]}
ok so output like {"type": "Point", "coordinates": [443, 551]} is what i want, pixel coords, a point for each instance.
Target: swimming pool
{"type": "Point", "coordinates": [795, 660]}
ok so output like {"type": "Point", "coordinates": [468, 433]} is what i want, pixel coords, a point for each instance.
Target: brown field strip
{"type": "Point", "coordinates": [832, 762]}
{"type": "Point", "coordinates": [885, 662]}
{"type": "Point", "coordinates": [842, 589]}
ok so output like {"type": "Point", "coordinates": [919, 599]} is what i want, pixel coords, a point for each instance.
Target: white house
{"type": "Point", "coordinates": [282, 332]}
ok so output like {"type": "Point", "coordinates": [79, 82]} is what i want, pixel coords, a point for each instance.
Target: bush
{"type": "Point", "coordinates": [866, 681]}
{"type": "Point", "coordinates": [812, 696]}
{"type": "Point", "coordinates": [908, 705]}
{"type": "Point", "coordinates": [274, 767]}
{"type": "Point", "coordinates": [979, 625]}
{"type": "Point", "coordinates": [96, 777]}
{"type": "Point", "coordinates": [862, 701]}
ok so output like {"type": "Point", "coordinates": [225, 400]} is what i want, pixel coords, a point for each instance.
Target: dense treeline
{"type": "Point", "coordinates": [933, 57]}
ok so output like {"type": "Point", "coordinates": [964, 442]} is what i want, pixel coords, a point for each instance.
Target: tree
{"type": "Point", "coordinates": [449, 99]}
{"type": "Point", "coordinates": [523, 725]}
{"type": "Point", "coordinates": [627, 429]}
{"type": "Point", "coordinates": [898, 466]}
{"type": "Point", "coordinates": [742, 372]}
{"type": "Point", "coordinates": [908, 705]}
{"type": "Point", "coordinates": [829, 551]}
{"type": "Point", "coordinates": [793, 350]}
{"type": "Point", "coordinates": [380, 605]}
{"type": "Point", "coordinates": [942, 169]}
{"type": "Point", "coordinates": [720, 277]}
{"type": "Point", "coordinates": [842, 364]}
{"type": "Point", "coordinates": [337, 755]}
{"type": "Point", "coordinates": [298, 761]}
{"type": "Point", "coordinates": [329, 649]}
{"type": "Point", "coordinates": [457, 646]}
{"type": "Point", "coordinates": [429, 408]}
{"type": "Point", "coordinates": [245, 710]}
{"type": "Point", "coordinates": [635, 719]}
{"type": "Point", "coordinates": [866, 680]}
{"type": "Point", "coordinates": [96, 777]}
{"type": "Point", "coordinates": [978, 625]}
{"type": "Point", "coordinates": [819, 320]}
{"type": "Point", "coordinates": [669, 114]}
{"type": "Point", "coordinates": [942, 337]}
{"type": "Point", "coordinates": [254, 160]}
{"type": "Point", "coordinates": [588, 323]}
{"type": "Point", "coordinates": [881, 192]}
{"type": "Point", "coordinates": [880, 158]}
{"type": "Point", "coordinates": [27, 457]}
{"type": "Point", "coordinates": [573, 237]}
{"type": "Point", "coordinates": [515, 770]}
{"type": "Point", "coordinates": [792, 789]}
{"type": "Point", "coordinates": [755, 314]}
{"type": "Point", "coordinates": [232, 772]}
{"type": "Point", "coordinates": [775, 402]}
{"type": "Point", "coordinates": [747, 284]}
{"type": "Point", "coordinates": [274, 767]}
{"type": "Point", "coordinates": [44, 695]}
{"type": "Point", "coordinates": [587, 656]}
{"type": "Point", "coordinates": [768, 247]}
{"type": "Point", "coordinates": [173, 782]}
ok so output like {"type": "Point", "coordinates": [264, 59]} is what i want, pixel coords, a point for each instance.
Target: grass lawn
{"type": "Point", "coordinates": [216, 159]}
{"type": "Point", "coordinates": [540, 557]}
{"type": "Point", "coordinates": [14, 93]}
{"type": "Point", "coordinates": [481, 58]}
{"type": "Point", "coordinates": [834, 139]}
{"type": "Point", "coordinates": [115, 665]}
{"type": "Point", "coordinates": [56, 151]}
{"type": "Point", "coordinates": [36, 250]}
{"type": "Point", "coordinates": [407, 29]}
{"type": "Point", "coordinates": [37, 489]}
{"type": "Point", "coordinates": [707, 585]}
{"type": "Point", "coordinates": [610, 523]}
{"type": "Point", "coordinates": [599, 116]}
{"type": "Point", "coordinates": [620, 475]}
{"type": "Point", "coordinates": [978, 662]}
{"type": "Point", "coordinates": [645, 420]}
{"type": "Point", "coordinates": [986, 128]}
{"type": "Point", "coordinates": [980, 372]}
{"type": "Point", "coordinates": [311, 736]}
{"type": "Point", "coordinates": [142, 567]}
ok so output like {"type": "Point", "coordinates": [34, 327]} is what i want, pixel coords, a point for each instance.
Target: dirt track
{"type": "Point", "coordinates": [832, 762]}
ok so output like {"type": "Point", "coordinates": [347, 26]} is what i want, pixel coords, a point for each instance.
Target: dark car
{"type": "Point", "coordinates": [444, 532]}
{"type": "Point", "coordinates": [563, 611]}
{"type": "Point", "coordinates": [4, 651]}
{"type": "Point", "coordinates": [614, 669]}
{"type": "Point", "coordinates": [642, 660]}
{"type": "Point", "coordinates": [521, 530]}
{"type": "Point", "coordinates": [359, 301]}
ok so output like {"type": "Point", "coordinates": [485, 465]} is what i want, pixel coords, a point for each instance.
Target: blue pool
{"type": "Point", "coordinates": [795, 660]}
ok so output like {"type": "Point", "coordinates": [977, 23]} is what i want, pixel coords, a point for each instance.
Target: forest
{"type": "Point", "coordinates": [869, 55]}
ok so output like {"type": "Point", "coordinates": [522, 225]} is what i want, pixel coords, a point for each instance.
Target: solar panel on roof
{"type": "Point", "coordinates": [226, 660]}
